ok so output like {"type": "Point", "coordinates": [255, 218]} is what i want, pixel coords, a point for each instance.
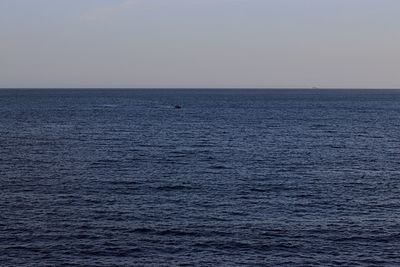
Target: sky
{"type": "Point", "coordinates": [199, 43]}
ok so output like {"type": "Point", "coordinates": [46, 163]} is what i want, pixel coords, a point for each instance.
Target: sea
{"type": "Point", "coordinates": [105, 177]}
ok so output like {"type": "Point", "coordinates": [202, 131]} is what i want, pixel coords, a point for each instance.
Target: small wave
{"type": "Point", "coordinates": [258, 190]}
{"type": "Point", "coordinates": [121, 182]}
{"type": "Point", "coordinates": [142, 230]}
{"type": "Point", "coordinates": [113, 252]}
{"type": "Point", "coordinates": [103, 162]}
{"type": "Point", "coordinates": [318, 126]}
{"type": "Point", "coordinates": [382, 239]}
{"type": "Point", "coordinates": [219, 167]}
{"type": "Point", "coordinates": [174, 187]}
{"type": "Point", "coordinates": [178, 233]}
{"type": "Point", "coordinates": [234, 245]}
{"type": "Point", "coordinates": [274, 233]}
{"type": "Point", "coordinates": [108, 106]}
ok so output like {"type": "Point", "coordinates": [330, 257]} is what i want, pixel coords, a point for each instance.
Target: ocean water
{"type": "Point", "coordinates": [234, 178]}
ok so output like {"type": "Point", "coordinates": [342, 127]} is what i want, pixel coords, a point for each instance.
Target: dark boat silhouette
{"type": "Point", "coordinates": [178, 106]}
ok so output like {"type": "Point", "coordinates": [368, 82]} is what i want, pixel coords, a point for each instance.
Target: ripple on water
{"type": "Point", "coordinates": [236, 178]}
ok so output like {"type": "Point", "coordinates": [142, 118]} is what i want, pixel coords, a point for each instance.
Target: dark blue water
{"type": "Point", "coordinates": [234, 178]}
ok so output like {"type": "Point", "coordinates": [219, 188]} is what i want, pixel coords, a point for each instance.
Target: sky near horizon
{"type": "Point", "coordinates": [200, 43]}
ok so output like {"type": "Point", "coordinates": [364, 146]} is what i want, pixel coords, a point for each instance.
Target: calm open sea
{"type": "Point", "coordinates": [234, 178]}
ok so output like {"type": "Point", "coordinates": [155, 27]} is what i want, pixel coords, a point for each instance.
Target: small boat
{"type": "Point", "coordinates": [178, 106]}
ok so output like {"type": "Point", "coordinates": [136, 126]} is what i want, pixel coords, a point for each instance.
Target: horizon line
{"type": "Point", "coordinates": [199, 88]}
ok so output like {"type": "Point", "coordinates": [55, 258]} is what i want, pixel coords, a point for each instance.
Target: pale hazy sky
{"type": "Point", "coordinates": [200, 43]}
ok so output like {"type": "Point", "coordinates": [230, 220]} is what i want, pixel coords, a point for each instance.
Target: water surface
{"type": "Point", "coordinates": [234, 178]}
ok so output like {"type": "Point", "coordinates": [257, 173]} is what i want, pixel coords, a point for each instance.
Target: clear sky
{"type": "Point", "coordinates": [200, 43]}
